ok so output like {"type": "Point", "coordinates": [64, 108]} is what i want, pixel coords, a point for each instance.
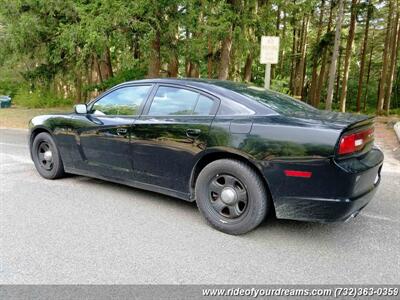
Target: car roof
{"type": "Point", "coordinates": [219, 88]}
{"type": "Point", "coordinates": [208, 84]}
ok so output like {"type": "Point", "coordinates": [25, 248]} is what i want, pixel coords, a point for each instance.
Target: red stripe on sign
{"type": "Point", "coordinates": [303, 174]}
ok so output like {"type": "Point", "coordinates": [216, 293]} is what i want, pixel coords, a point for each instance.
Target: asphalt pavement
{"type": "Point", "coordinates": [88, 231]}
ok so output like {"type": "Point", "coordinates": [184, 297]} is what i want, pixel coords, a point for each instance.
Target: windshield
{"type": "Point", "coordinates": [278, 102]}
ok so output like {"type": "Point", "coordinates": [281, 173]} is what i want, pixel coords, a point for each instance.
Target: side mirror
{"type": "Point", "coordinates": [80, 109]}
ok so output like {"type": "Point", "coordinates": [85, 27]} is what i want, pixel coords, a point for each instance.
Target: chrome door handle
{"type": "Point", "coordinates": [192, 133]}
{"type": "Point", "coordinates": [122, 130]}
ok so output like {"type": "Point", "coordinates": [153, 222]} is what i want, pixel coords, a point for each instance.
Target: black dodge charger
{"type": "Point", "coordinates": [239, 151]}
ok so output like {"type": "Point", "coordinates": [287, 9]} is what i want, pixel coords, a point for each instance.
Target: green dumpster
{"type": "Point", "coordinates": [5, 101]}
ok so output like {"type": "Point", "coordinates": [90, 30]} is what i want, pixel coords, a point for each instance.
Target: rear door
{"type": "Point", "coordinates": [170, 134]}
{"type": "Point", "coordinates": [104, 141]}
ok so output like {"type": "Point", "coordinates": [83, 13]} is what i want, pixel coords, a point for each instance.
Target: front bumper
{"type": "Point", "coordinates": [335, 192]}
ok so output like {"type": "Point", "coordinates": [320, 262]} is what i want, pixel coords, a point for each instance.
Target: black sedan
{"type": "Point", "coordinates": [239, 151]}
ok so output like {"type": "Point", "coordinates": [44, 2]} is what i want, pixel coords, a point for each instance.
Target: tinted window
{"type": "Point", "coordinates": [173, 101]}
{"type": "Point", "coordinates": [281, 103]}
{"type": "Point", "coordinates": [203, 106]}
{"type": "Point", "coordinates": [123, 101]}
{"type": "Point", "coordinates": [233, 108]}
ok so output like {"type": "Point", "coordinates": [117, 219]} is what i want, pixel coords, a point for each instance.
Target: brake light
{"type": "Point", "coordinates": [355, 142]}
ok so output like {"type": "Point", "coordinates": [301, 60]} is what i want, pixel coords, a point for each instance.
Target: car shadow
{"type": "Point", "coordinates": [271, 227]}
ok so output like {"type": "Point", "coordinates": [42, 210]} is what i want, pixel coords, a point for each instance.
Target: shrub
{"type": "Point", "coordinates": [39, 99]}
{"type": "Point", "coordinates": [8, 88]}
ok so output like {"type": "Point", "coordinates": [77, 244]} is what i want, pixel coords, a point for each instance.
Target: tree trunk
{"type": "Point", "coordinates": [300, 74]}
{"type": "Point", "coordinates": [339, 65]}
{"type": "Point", "coordinates": [322, 71]}
{"type": "Point", "coordinates": [332, 69]}
{"type": "Point", "coordinates": [98, 69]}
{"type": "Point", "coordinates": [135, 47]}
{"type": "Point", "coordinates": [394, 46]}
{"type": "Point", "coordinates": [315, 58]}
{"type": "Point", "coordinates": [385, 62]}
{"type": "Point", "coordinates": [210, 59]}
{"type": "Point", "coordinates": [154, 59]}
{"type": "Point", "coordinates": [347, 57]}
{"type": "Point", "coordinates": [173, 66]}
{"type": "Point", "coordinates": [369, 71]}
{"type": "Point", "coordinates": [247, 68]}
{"type": "Point", "coordinates": [105, 65]}
{"type": "Point", "coordinates": [108, 63]}
{"type": "Point", "coordinates": [78, 86]}
{"type": "Point", "coordinates": [293, 62]}
{"type": "Point", "coordinates": [281, 48]}
{"type": "Point", "coordinates": [363, 55]}
{"type": "Point", "coordinates": [226, 48]}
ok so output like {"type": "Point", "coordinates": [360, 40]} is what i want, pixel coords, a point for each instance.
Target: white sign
{"type": "Point", "coordinates": [269, 50]}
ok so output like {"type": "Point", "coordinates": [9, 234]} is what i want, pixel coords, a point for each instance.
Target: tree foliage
{"type": "Point", "coordinates": [77, 48]}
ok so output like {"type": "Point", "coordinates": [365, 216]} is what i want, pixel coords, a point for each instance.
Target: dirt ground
{"type": "Point", "coordinates": [385, 136]}
{"type": "Point", "coordinates": [386, 139]}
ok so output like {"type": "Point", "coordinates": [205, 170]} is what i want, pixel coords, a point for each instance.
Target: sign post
{"type": "Point", "coordinates": [269, 54]}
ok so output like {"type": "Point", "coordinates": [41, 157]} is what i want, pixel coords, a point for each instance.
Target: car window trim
{"type": "Point", "coordinates": [141, 107]}
{"type": "Point", "coordinates": [214, 109]}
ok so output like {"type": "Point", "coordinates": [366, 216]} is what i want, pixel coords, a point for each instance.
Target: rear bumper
{"type": "Point", "coordinates": [336, 191]}
{"type": "Point", "coordinates": [322, 210]}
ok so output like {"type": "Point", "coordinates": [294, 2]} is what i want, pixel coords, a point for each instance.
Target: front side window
{"type": "Point", "coordinates": [173, 101]}
{"type": "Point", "coordinates": [123, 101]}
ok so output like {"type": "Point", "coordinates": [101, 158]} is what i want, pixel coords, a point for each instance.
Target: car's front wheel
{"type": "Point", "coordinates": [231, 196]}
{"type": "Point", "coordinates": [46, 156]}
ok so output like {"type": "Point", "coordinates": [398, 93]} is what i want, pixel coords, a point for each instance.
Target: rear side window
{"type": "Point", "coordinates": [177, 101]}
{"type": "Point", "coordinates": [278, 102]}
{"type": "Point", "coordinates": [203, 106]}
{"type": "Point", "coordinates": [173, 101]}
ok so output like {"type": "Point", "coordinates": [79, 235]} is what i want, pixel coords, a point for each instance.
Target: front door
{"type": "Point", "coordinates": [105, 144]}
{"type": "Point", "coordinates": [170, 135]}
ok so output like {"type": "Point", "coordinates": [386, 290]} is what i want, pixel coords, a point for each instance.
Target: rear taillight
{"type": "Point", "coordinates": [354, 142]}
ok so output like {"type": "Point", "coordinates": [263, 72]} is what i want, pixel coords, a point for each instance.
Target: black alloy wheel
{"type": "Point", "coordinates": [46, 156]}
{"type": "Point", "coordinates": [228, 196]}
{"type": "Point", "coordinates": [231, 196]}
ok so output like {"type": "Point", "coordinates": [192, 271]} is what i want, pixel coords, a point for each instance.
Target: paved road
{"type": "Point", "coordinates": [81, 230]}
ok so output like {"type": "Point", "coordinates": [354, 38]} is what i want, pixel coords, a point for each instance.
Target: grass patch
{"type": "Point", "coordinates": [18, 117]}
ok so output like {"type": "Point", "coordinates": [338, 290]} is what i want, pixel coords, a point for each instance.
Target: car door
{"type": "Point", "coordinates": [170, 134]}
{"type": "Point", "coordinates": [105, 141]}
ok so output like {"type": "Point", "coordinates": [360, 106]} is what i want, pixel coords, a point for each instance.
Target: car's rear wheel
{"type": "Point", "coordinates": [46, 157]}
{"type": "Point", "coordinates": [231, 196]}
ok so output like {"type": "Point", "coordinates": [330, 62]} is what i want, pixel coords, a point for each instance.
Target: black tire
{"type": "Point", "coordinates": [243, 213]}
{"type": "Point", "coordinates": [51, 167]}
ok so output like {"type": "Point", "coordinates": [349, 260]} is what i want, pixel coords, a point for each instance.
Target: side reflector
{"type": "Point", "coordinates": [303, 174]}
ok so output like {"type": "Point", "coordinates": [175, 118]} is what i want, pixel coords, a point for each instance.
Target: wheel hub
{"type": "Point", "coordinates": [48, 155]}
{"type": "Point", "coordinates": [229, 196]}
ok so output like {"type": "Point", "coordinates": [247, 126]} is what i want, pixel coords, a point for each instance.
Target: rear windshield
{"type": "Point", "coordinates": [278, 102]}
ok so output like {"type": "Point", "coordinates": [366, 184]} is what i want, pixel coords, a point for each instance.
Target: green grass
{"type": "Point", "coordinates": [18, 117]}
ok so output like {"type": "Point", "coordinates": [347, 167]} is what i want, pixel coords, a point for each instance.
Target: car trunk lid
{"type": "Point", "coordinates": [336, 120]}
